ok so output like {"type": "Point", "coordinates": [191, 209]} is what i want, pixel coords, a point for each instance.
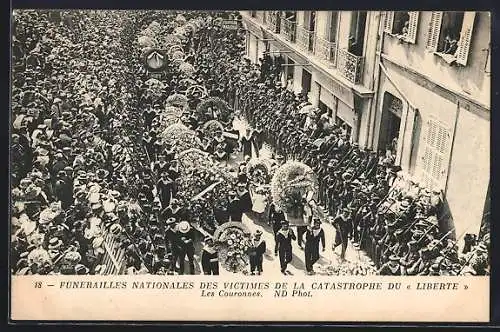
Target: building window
{"type": "Point", "coordinates": [331, 33]}
{"type": "Point", "coordinates": [434, 165]}
{"type": "Point", "coordinates": [402, 25]}
{"type": "Point", "coordinates": [357, 33]}
{"type": "Point", "coordinates": [449, 35]}
{"type": "Point", "coordinates": [253, 13]}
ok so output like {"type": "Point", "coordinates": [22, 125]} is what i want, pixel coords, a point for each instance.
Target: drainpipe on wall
{"type": "Point", "coordinates": [452, 148]}
{"type": "Point", "coordinates": [376, 78]}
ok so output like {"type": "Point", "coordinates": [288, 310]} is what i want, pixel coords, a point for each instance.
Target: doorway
{"type": "Point", "coordinates": [390, 123]}
{"type": "Point", "coordinates": [306, 82]}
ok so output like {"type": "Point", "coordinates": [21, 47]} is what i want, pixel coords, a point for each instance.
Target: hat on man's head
{"type": "Point", "coordinates": [184, 227]}
{"type": "Point", "coordinates": [81, 269]}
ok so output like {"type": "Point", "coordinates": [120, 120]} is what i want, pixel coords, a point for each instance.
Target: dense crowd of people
{"type": "Point", "coordinates": [88, 162]}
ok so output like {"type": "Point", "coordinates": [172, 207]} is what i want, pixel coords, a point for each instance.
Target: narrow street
{"type": "Point", "coordinates": [271, 263]}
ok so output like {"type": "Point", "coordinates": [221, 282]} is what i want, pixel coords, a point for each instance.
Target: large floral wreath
{"type": "Point", "coordinates": [177, 100]}
{"type": "Point", "coordinates": [210, 127]}
{"type": "Point", "coordinates": [196, 91]}
{"type": "Point", "coordinates": [233, 241]}
{"type": "Point", "coordinates": [204, 185]}
{"type": "Point", "coordinates": [169, 116]}
{"type": "Point", "coordinates": [187, 69]}
{"type": "Point", "coordinates": [181, 137]}
{"type": "Point", "coordinates": [290, 184]}
{"type": "Point", "coordinates": [258, 171]}
{"type": "Point", "coordinates": [208, 106]}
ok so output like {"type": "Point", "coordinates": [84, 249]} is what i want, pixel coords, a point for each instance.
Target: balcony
{"type": "Point", "coordinates": [305, 39]}
{"type": "Point", "coordinates": [260, 16]}
{"type": "Point", "coordinates": [326, 50]}
{"type": "Point", "coordinates": [288, 29]}
{"type": "Point", "coordinates": [350, 66]}
{"type": "Point", "coordinates": [273, 22]}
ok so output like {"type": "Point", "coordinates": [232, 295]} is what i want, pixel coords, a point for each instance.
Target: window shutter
{"type": "Point", "coordinates": [435, 155]}
{"type": "Point", "coordinates": [388, 21]}
{"type": "Point", "coordinates": [412, 27]}
{"type": "Point", "coordinates": [465, 38]}
{"type": "Point", "coordinates": [434, 31]}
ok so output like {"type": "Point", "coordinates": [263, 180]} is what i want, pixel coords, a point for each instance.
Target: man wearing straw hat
{"type": "Point", "coordinates": [186, 248]}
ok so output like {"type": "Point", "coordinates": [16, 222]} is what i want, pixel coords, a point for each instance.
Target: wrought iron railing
{"type": "Point", "coordinates": [260, 15]}
{"type": "Point", "coordinates": [305, 39]}
{"type": "Point", "coordinates": [273, 21]}
{"type": "Point", "coordinates": [289, 29]}
{"type": "Point", "coordinates": [350, 66]}
{"type": "Point", "coordinates": [326, 50]}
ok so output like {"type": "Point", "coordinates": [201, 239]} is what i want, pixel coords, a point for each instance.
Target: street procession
{"type": "Point", "coordinates": [148, 142]}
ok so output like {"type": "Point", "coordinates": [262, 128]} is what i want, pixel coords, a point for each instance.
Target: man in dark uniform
{"type": "Point", "coordinates": [209, 258]}
{"type": "Point", "coordinates": [172, 240]}
{"type": "Point", "coordinates": [244, 197]}
{"type": "Point", "coordinates": [284, 239]}
{"type": "Point", "coordinates": [313, 237]}
{"type": "Point", "coordinates": [256, 253]}
{"type": "Point", "coordinates": [276, 217]}
{"type": "Point", "coordinates": [234, 208]}
{"type": "Point", "coordinates": [174, 210]}
{"type": "Point", "coordinates": [341, 224]}
{"type": "Point", "coordinates": [165, 188]}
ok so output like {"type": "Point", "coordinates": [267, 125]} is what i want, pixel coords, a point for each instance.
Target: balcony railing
{"type": "Point", "coordinates": [288, 29]}
{"type": "Point", "coordinates": [273, 22]}
{"type": "Point", "coordinates": [326, 50]}
{"type": "Point", "coordinates": [260, 16]}
{"type": "Point", "coordinates": [350, 66]}
{"type": "Point", "coordinates": [305, 39]}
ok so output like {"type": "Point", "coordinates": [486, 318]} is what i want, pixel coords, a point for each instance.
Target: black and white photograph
{"type": "Point", "coordinates": [260, 144]}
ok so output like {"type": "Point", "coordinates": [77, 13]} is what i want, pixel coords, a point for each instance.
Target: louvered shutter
{"type": "Point", "coordinates": [435, 155]}
{"type": "Point", "coordinates": [465, 38]}
{"type": "Point", "coordinates": [434, 31]}
{"type": "Point", "coordinates": [412, 27]}
{"type": "Point", "coordinates": [388, 21]}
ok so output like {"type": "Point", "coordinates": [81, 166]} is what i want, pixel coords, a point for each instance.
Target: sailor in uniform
{"type": "Point", "coordinates": [209, 258]}
{"type": "Point", "coordinates": [313, 237]}
{"type": "Point", "coordinates": [256, 253]}
{"type": "Point", "coordinates": [284, 240]}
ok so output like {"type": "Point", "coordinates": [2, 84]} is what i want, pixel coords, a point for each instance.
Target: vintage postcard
{"type": "Point", "coordinates": [250, 165]}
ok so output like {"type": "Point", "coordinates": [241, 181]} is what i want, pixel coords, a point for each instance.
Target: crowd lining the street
{"type": "Point", "coordinates": [88, 163]}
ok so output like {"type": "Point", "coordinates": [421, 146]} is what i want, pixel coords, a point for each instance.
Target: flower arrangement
{"type": "Point", "coordinates": [197, 173]}
{"type": "Point", "coordinates": [177, 55]}
{"type": "Point", "coordinates": [210, 127]}
{"type": "Point", "coordinates": [177, 100]}
{"type": "Point", "coordinates": [168, 40]}
{"type": "Point", "coordinates": [196, 91]}
{"type": "Point", "coordinates": [146, 41]}
{"type": "Point", "coordinates": [187, 69]}
{"type": "Point", "coordinates": [258, 171]}
{"type": "Point", "coordinates": [290, 183]}
{"type": "Point", "coordinates": [233, 241]}
{"type": "Point", "coordinates": [181, 137]}
{"type": "Point", "coordinates": [169, 116]}
{"type": "Point", "coordinates": [348, 268]}
{"type": "Point", "coordinates": [214, 107]}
